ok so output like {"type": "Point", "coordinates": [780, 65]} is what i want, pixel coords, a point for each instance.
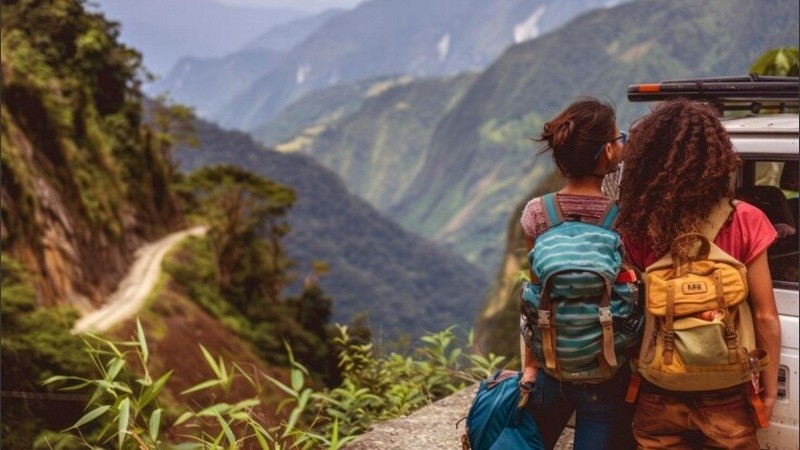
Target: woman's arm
{"type": "Point", "coordinates": [767, 326]}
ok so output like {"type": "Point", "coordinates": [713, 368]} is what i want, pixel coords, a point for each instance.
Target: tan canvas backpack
{"type": "Point", "coordinates": [699, 331]}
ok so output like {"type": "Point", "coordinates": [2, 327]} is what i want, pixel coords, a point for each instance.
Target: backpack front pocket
{"type": "Point", "coordinates": [701, 342]}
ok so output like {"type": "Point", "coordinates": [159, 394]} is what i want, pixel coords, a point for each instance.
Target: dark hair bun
{"type": "Point", "coordinates": [563, 133]}
{"type": "Point", "coordinates": [557, 133]}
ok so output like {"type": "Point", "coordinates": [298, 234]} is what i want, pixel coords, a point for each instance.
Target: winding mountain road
{"type": "Point", "coordinates": [132, 291]}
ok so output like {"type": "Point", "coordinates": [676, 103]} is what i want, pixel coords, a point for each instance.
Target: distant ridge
{"type": "Point", "coordinates": [398, 37]}
{"type": "Point", "coordinates": [405, 283]}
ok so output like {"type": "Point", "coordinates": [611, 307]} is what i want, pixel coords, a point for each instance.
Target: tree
{"type": "Point", "coordinates": [246, 214]}
{"type": "Point", "coordinates": [782, 61]}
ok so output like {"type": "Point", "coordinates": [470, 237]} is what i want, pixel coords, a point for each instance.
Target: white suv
{"type": "Point", "coordinates": [766, 138]}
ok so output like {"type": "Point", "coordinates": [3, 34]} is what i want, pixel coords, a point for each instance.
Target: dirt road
{"type": "Point", "coordinates": [129, 297]}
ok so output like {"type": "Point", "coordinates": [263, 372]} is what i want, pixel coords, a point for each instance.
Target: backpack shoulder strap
{"type": "Point", "coordinates": [609, 216]}
{"type": "Point", "coordinates": [716, 220]}
{"type": "Point", "coordinates": [552, 212]}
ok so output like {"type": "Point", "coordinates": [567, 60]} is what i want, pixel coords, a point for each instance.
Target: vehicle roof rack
{"type": "Point", "coordinates": [749, 93]}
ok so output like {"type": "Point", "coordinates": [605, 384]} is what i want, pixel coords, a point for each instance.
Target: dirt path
{"type": "Point", "coordinates": [129, 297]}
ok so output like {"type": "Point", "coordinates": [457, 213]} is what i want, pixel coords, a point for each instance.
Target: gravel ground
{"type": "Point", "coordinates": [430, 428]}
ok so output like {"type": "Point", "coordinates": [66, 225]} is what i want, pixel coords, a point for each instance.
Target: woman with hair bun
{"type": "Point", "coordinates": [586, 145]}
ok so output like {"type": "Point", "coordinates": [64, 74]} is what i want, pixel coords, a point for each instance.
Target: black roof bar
{"type": "Point", "coordinates": [752, 89]}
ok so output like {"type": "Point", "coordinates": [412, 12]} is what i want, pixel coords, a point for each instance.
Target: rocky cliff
{"type": "Point", "coordinates": [84, 181]}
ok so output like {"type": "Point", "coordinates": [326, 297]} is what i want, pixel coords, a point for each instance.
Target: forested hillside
{"type": "Point", "coordinates": [406, 284]}
{"type": "Point", "coordinates": [382, 146]}
{"type": "Point", "coordinates": [297, 124]}
{"type": "Point", "coordinates": [84, 183]}
{"type": "Point", "coordinates": [87, 179]}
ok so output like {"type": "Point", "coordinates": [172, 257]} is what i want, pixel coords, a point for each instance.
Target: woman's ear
{"type": "Point", "coordinates": [608, 150]}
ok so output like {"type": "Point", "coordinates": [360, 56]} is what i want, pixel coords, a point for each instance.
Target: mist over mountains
{"type": "Point", "coordinates": [382, 37]}
{"type": "Point", "coordinates": [490, 127]}
{"type": "Point", "coordinates": [165, 31]}
{"type": "Point", "coordinates": [208, 83]}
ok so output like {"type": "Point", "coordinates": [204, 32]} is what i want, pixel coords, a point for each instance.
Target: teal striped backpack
{"type": "Point", "coordinates": [582, 311]}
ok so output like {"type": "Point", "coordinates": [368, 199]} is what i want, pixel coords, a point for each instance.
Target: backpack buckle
{"type": "Point", "coordinates": [605, 315]}
{"type": "Point", "coordinates": [544, 319]}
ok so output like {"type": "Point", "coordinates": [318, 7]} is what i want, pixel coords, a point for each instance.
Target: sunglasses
{"type": "Point", "coordinates": [623, 136]}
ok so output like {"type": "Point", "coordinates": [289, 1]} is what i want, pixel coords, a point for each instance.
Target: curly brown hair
{"type": "Point", "coordinates": [678, 163]}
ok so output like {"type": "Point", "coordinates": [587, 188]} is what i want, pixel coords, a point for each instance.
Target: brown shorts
{"type": "Point", "coordinates": [711, 419]}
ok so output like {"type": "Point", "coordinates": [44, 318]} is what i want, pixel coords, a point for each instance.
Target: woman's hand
{"type": "Point", "coordinates": [769, 405]}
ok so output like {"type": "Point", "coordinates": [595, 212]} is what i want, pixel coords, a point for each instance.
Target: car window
{"type": "Point", "coordinates": [771, 186]}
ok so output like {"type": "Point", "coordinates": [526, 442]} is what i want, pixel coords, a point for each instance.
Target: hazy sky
{"type": "Point", "coordinates": [167, 30]}
{"type": "Point", "coordinates": [306, 5]}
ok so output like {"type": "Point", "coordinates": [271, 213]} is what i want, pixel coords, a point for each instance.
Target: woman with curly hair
{"type": "Point", "coordinates": [678, 167]}
{"type": "Point", "coordinates": [586, 145]}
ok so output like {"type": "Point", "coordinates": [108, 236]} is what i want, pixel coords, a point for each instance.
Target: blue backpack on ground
{"type": "Point", "coordinates": [498, 420]}
{"type": "Point", "coordinates": [583, 309]}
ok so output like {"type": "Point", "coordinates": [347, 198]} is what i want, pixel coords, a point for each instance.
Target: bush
{"type": "Point", "coordinates": [36, 343]}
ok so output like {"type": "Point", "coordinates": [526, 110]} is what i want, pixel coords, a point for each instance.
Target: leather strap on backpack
{"type": "Point", "coordinates": [633, 386]}
{"type": "Point", "coordinates": [546, 325]}
{"type": "Point", "coordinates": [607, 325]}
{"type": "Point", "coordinates": [669, 334]}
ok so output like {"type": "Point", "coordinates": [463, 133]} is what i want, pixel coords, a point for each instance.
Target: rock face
{"type": "Point", "coordinates": [435, 427]}
{"type": "Point", "coordinates": [84, 180]}
{"type": "Point", "coordinates": [75, 262]}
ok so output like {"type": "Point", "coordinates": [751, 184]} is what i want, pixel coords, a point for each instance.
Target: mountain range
{"type": "Point", "coordinates": [481, 161]}
{"type": "Point", "coordinates": [456, 176]}
{"type": "Point", "coordinates": [450, 157]}
{"type": "Point", "coordinates": [208, 83]}
{"type": "Point", "coordinates": [165, 31]}
{"type": "Point", "coordinates": [388, 37]}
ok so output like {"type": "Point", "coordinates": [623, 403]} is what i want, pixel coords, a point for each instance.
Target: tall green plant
{"type": "Point", "coordinates": [124, 412]}
{"type": "Point", "coordinates": [122, 408]}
